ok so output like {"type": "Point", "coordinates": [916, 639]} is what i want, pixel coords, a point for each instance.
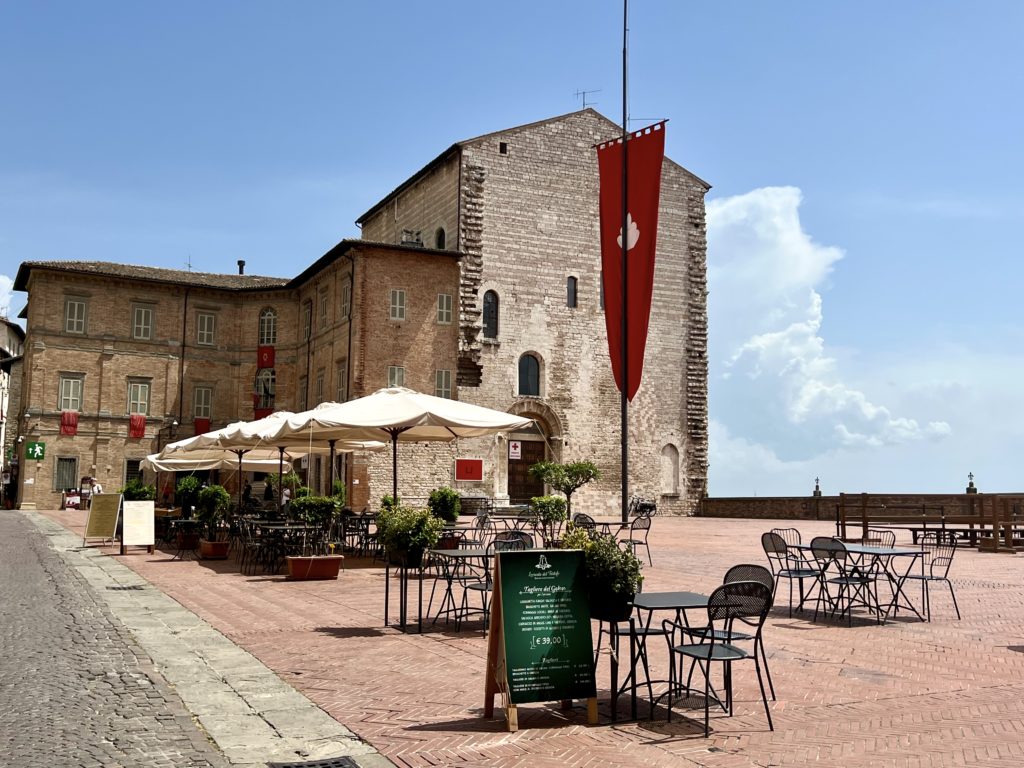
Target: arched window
{"type": "Point", "coordinates": [670, 470]}
{"type": "Point", "coordinates": [570, 293]}
{"type": "Point", "coordinates": [439, 239]}
{"type": "Point", "coordinates": [490, 315]}
{"type": "Point", "coordinates": [529, 375]}
{"type": "Point", "coordinates": [266, 386]}
{"type": "Point", "coordinates": [268, 327]}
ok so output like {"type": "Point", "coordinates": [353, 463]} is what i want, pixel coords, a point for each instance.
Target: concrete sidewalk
{"type": "Point", "coordinates": [948, 693]}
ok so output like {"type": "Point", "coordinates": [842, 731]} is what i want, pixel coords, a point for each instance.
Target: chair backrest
{"type": "Point", "coordinates": [585, 521]}
{"type": "Point", "coordinates": [789, 535]}
{"type": "Point", "coordinates": [881, 537]}
{"type": "Point", "coordinates": [749, 601]}
{"type": "Point", "coordinates": [522, 536]}
{"type": "Point", "coordinates": [515, 544]}
{"type": "Point", "coordinates": [826, 550]}
{"type": "Point", "coordinates": [939, 548]}
{"type": "Point", "coordinates": [773, 545]}
{"type": "Point", "coordinates": [749, 572]}
{"type": "Point", "coordinates": [640, 526]}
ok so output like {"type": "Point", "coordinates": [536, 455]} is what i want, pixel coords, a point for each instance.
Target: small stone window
{"type": "Point", "coordinates": [490, 315]}
{"type": "Point", "coordinates": [202, 402]}
{"type": "Point", "coordinates": [142, 322]}
{"type": "Point", "coordinates": [442, 383]}
{"type": "Point", "coordinates": [268, 327]}
{"type": "Point", "coordinates": [206, 322]}
{"type": "Point", "coordinates": [396, 376]}
{"type": "Point", "coordinates": [74, 316]}
{"type": "Point", "coordinates": [444, 308]}
{"type": "Point", "coordinates": [439, 239]}
{"type": "Point", "coordinates": [397, 311]}
{"type": "Point", "coordinates": [529, 376]}
{"type": "Point", "coordinates": [570, 292]}
{"type": "Point", "coordinates": [502, 148]}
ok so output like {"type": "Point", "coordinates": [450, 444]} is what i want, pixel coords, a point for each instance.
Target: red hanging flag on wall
{"type": "Point", "coordinates": [265, 357]}
{"type": "Point", "coordinates": [69, 422]}
{"type": "Point", "coordinates": [201, 425]}
{"type": "Point", "coordinates": [137, 425]}
{"type": "Point", "coordinates": [646, 152]}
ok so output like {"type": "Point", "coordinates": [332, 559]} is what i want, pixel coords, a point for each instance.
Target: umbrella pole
{"type": "Point", "coordinates": [280, 472]}
{"type": "Point", "coordinates": [394, 466]}
{"type": "Point", "coordinates": [240, 453]}
{"type": "Point", "coordinates": [330, 472]}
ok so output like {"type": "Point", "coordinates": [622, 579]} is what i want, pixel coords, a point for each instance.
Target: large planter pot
{"type": "Point", "coordinates": [610, 606]}
{"type": "Point", "coordinates": [214, 550]}
{"type": "Point", "coordinates": [408, 559]}
{"type": "Point", "coordinates": [302, 568]}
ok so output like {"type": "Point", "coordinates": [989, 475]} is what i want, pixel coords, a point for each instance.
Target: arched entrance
{"type": "Point", "coordinates": [541, 441]}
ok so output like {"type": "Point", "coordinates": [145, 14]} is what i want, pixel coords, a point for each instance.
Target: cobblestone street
{"type": "Point", "coordinates": [75, 688]}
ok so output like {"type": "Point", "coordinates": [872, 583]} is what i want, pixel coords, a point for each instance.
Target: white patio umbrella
{"type": "Point", "coordinates": [397, 414]}
{"type": "Point", "coordinates": [222, 460]}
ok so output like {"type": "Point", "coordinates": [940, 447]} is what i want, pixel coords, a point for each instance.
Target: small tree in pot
{"type": "Point", "coordinates": [315, 562]}
{"type": "Point", "coordinates": [213, 502]}
{"type": "Point", "coordinates": [405, 533]}
{"type": "Point", "coordinates": [186, 493]}
{"type": "Point", "coordinates": [551, 513]}
{"type": "Point", "coordinates": [445, 503]}
{"type": "Point", "coordinates": [566, 478]}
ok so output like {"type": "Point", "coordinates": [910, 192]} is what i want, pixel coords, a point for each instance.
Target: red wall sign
{"type": "Point", "coordinates": [469, 470]}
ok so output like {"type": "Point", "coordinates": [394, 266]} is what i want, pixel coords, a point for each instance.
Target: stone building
{"type": "Point", "coordinates": [12, 340]}
{"type": "Point", "coordinates": [476, 278]}
{"type": "Point", "coordinates": [521, 205]}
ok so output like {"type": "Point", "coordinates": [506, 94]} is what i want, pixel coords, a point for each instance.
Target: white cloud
{"type": "Point", "coordinates": [6, 295]}
{"type": "Point", "coordinates": [776, 392]}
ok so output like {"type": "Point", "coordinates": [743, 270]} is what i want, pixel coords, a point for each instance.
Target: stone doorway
{"type": "Point", "coordinates": [522, 486]}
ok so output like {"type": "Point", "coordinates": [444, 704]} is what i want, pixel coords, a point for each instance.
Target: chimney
{"type": "Point", "coordinates": [241, 266]}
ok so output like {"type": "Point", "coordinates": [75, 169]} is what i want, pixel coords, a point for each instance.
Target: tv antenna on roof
{"type": "Point", "coordinates": [583, 95]}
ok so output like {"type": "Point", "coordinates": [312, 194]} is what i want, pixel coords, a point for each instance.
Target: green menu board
{"type": "Point", "coordinates": [549, 651]}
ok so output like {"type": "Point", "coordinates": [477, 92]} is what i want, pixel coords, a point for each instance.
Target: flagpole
{"type": "Point", "coordinates": [624, 402]}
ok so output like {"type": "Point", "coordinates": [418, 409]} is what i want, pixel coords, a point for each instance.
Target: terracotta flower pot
{"type": "Point", "coordinates": [301, 568]}
{"type": "Point", "coordinates": [214, 550]}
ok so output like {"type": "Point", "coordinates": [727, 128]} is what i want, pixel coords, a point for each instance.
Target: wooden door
{"type": "Point", "coordinates": [522, 486]}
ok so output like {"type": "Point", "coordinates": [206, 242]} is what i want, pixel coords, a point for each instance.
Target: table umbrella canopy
{"type": "Point", "coordinates": [397, 414]}
{"type": "Point", "coordinates": [195, 461]}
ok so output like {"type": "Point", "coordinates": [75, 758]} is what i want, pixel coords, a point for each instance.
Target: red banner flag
{"type": "Point", "coordinates": [264, 357]}
{"type": "Point", "coordinates": [200, 426]}
{"type": "Point", "coordinates": [646, 152]}
{"type": "Point", "coordinates": [137, 425]}
{"type": "Point", "coordinates": [69, 422]}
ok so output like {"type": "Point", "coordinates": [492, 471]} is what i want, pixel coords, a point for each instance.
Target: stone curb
{"type": "Point", "coordinates": [253, 716]}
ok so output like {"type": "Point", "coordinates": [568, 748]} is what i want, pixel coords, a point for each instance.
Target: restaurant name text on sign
{"type": "Point", "coordinates": [35, 451]}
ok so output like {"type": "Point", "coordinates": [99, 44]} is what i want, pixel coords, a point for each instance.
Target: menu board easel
{"type": "Point", "coordinates": [104, 509]}
{"type": "Point", "coordinates": [139, 528]}
{"type": "Point", "coordinates": [539, 646]}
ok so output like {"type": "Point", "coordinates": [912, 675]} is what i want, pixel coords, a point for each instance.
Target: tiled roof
{"type": "Point", "coordinates": [156, 274]}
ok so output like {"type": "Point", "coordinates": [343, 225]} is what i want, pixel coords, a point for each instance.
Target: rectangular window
{"type": "Point", "coordinates": [396, 376]}
{"type": "Point", "coordinates": [443, 383]}
{"type": "Point", "coordinates": [323, 309]}
{"type": "Point", "coordinates": [397, 304]}
{"type": "Point", "coordinates": [570, 292]}
{"type": "Point", "coordinates": [444, 308]}
{"type": "Point", "coordinates": [202, 402]}
{"type": "Point", "coordinates": [303, 396]}
{"type": "Point", "coordinates": [142, 322]}
{"type": "Point", "coordinates": [65, 474]}
{"type": "Point", "coordinates": [346, 300]}
{"type": "Point", "coordinates": [74, 316]}
{"type": "Point", "coordinates": [138, 397]}
{"type": "Point", "coordinates": [205, 323]}
{"type": "Point", "coordinates": [132, 470]}
{"type": "Point", "coordinates": [266, 386]}
{"type": "Point", "coordinates": [342, 382]}
{"type": "Point", "coordinates": [307, 320]}
{"type": "Point", "coordinates": [71, 393]}
{"type": "Point", "coordinates": [319, 386]}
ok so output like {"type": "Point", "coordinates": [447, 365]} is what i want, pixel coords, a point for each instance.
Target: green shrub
{"type": "Point", "coordinates": [213, 502]}
{"type": "Point", "coordinates": [315, 510]}
{"type": "Point", "coordinates": [136, 490]}
{"type": "Point", "coordinates": [186, 492]}
{"type": "Point", "coordinates": [388, 501]}
{"type": "Point", "coordinates": [566, 478]}
{"type": "Point", "coordinates": [407, 530]}
{"type": "Point", "coordinates": [445, 503]}
{"type": "Point", "coordinates": [550, 511]}
{"type": "Point", "coordinates": [339, 492]}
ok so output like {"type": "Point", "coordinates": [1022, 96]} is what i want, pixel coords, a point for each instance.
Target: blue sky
{"type": "Point", "coordinates": [864, 221]}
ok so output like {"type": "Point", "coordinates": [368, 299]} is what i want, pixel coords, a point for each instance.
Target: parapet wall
{"type": "Point", "coordinates": [816, 507]}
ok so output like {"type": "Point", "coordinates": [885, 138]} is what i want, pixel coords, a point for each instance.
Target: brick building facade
{"type": "Point", "coordinates": [477, 278]}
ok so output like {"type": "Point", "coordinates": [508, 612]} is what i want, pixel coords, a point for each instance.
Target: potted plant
{"type": "Point", "coordinates": [405, 533]}
{"type": "Point", "coordinates": [550, 512]}
{"type": "Point", "coordinates": [318, 511]}
{"type": "Point", "coordinates": [445, 503]}
{"type": "Point", "coordinates": [186, 493]}
{"type": "Point", "coordinates": [136, 490]}
{"type": "Point", "coordinates": [612, 574]}
{"type": "Point", "coordinates": [213, 503]}
{"type": "Point", "coordinates": [566, 478]}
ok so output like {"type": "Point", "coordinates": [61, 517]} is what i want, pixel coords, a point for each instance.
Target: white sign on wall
{"type": "Point", "coordinates": [515, 449]}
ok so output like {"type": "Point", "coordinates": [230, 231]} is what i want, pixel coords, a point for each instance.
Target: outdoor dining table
{"type": "Point", "coordinates": [868, 557]}
{"type": "Point", "coordinates": [183, 531]}
{"type": "Point", "coordinates": [455, 562]}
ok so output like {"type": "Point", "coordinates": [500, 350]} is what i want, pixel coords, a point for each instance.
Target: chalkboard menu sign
{"type": "Point", "coordinates": [104, 510]}
{"type": "Point", "coordinates": [540, 646]}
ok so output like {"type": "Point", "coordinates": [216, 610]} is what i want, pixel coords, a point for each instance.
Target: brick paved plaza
{"type": "Point", "coordinates": [948, 693]}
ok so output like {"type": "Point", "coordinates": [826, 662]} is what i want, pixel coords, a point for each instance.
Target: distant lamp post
{"type": "Point", "coordinates": [817, 487]}
{"type": "Point", "coordinates": [970, 483]}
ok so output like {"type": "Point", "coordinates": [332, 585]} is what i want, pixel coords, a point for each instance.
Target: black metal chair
{"type": "Point", "coordinates": [585, 521]}
{"type": "Point", "coordinates": [637, 536]}
{"type": "Point", "coordinates": [785, 564]}
{"type": "Point", "coordinates": [881, 537]}
{"type": "Point", "coordinates": [746, 602]}
{"type": "Point", "coordinates": [856, 583]}
{"type": "Point", "coordinates": [484, 586]}
{"type": "Point", "coordinates": [752, 572]}
{"type": "Point", "coordinates": [939, 548]}
{"type": "Point", "coordinates": [514, 535]}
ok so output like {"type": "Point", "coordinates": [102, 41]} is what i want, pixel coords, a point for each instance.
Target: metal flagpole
{"type": "Point", "coordinates": [625, 276]}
